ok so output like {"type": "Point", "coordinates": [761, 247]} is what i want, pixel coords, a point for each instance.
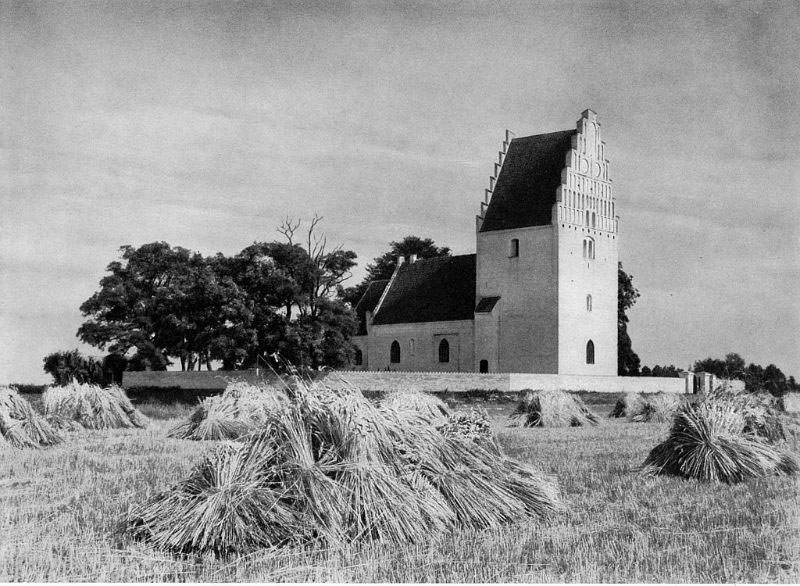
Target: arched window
{"type": "Point", "coordinates": [411, 346]}
{"type": "Point", "coordinates": [588, 303]}
{"type": "Point", "coordinates": [444, 351]}
{"type": "Point", "coordinates": [359, 358]}
{"type": "Point", "coordinates": [594, 219]}
{"type": "Point", "coordinates": [513, 248]}
{"type": "Point", "coordinates": [394, 352]}
{"type": "Point", "coordinates": [589, 352]}
{"type": "Point", "coordinates": [588, 248]}
{"type": "Point", "coordinates": [587, 217]}
{"type": "Point", "coordinates": [483, 366]}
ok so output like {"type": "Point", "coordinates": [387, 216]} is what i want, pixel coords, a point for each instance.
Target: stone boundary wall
{"type": "Point", "coordinates": [435, 382]}
{"type": "Point", "coordinates": [459, 382]}
{"type": "Point", "coordinates": [195, 379]}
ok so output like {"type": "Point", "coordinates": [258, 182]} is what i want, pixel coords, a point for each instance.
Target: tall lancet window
{"type": "Point", "coordinates": [588, 248]}
{"type": "Point", "coordinates": [444, 351]}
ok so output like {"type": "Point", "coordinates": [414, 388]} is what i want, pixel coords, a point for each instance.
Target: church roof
{"type": "Point", "coordinates": [486, 304]}
{"type": "Point", "coordinates": [431, 289]}
{"type": "Point", "coordinates": [526, 188]}
{"type": "Point", "coordinates": [368, 302]}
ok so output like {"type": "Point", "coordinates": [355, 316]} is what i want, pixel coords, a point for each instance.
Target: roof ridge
{"type": "Point", "coordinates": [369, 286]}
{"type": "Point", "coordinates": [386, 289]}
{"type": "Point", "coordinates": [569, 130]}
{"type": "Point", "coordinates": [438, 258]}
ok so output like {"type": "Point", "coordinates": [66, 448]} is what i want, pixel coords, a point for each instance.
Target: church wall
{"type": "Point", "coordinates": [584, 214]}
{"type": "Point", "coordinates": [527, 330]}
{"type": "Point", "coordinates": [362, 343]}
{"type": "Point", "coordinates": [423, 353]}
{"type": "Point", "coordinates": [487, 327]}
{"type": "Point", "coordinates": [578, 279]}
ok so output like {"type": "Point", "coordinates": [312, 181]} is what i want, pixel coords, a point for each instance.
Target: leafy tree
{"type": "Point", "coordinates": [141, 304]}
{"type": "Point", "coordinates": [774, 380]}
{"type": "Point", "coordinates": [289, 303]}
{"type": "Point", "coordinates": [627, 360]}
{"type": "Point", "coordinates": [383, 266]}
{"type": "Point", "coordinates": [755, 376]}
{"type": "Point", "coordinates": [68, 366]}
{"type": "Point", "coordinates": [663, 371]}
{"type": "Point", "coordinates": [731, 367]}
{"type": "Point", "coordinates": [160, 302]}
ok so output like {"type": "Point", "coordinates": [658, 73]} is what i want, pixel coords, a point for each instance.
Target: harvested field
{"type": "Point", "coordinates": [618, 525]}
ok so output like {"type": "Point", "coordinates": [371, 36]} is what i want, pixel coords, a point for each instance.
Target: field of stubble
{"type": "Point", "coordinates": [62, 511]}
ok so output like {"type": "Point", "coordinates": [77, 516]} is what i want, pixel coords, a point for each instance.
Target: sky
{"type": "Point", "coordinates": [206, 124]}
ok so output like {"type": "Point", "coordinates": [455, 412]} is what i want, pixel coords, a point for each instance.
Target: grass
{"type": "Point", "coordinates": [618, 525]}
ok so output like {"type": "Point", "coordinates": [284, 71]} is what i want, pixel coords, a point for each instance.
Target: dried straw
{"type": "Point", "coordinates": [91, 407]}
{"type": "Point", "coordinates": [21, 426]}
{"type": "Point", "coordinates": [761, 411]}
{"type": "Point", "coordinates": [713, 441]}
{"type": "Point", "coordinates": [472, 425]}
{"type": "Point", "coordinates": [640, 407]}
{"type": "Point", "coordinates": [553, 409]}
{"type": "Point", "coordinates": [239, 410]}
{"type": "Point", "coordinates": [411, 401]}
{"type": "Point", "coordinates": [332, 468]}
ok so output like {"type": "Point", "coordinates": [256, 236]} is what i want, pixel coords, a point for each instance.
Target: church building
{"type": "Point", "coordinates": [540, 293]}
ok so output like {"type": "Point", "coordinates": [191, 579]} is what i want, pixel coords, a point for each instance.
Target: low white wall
{"type": "Point", "coordinates": [456, 382]}
{"type": "Point", "coordinates": [434, 382]}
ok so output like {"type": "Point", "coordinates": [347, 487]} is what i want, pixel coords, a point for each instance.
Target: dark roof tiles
{"type": "Point", "coordinates": [526, 188]}
{"type": "Point", "coordinates": [486, 304]}
{"type": "Point", "coordinates": [433, 289]}
{"type": "Point", "coordinates": [368, 302]}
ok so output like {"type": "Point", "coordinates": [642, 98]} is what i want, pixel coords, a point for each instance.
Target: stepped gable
{"type": "Point", "coordinates": [432, 289]}
{"type": "Point", "coordinates": [526, 187]}
{"type": "Point", "coordinates": [368, 302]}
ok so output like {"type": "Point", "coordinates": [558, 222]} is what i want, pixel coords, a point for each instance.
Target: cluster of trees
{"type": "Point", "coordinates": [670, 371]}
{"type": "Point", "coordinates": [733, 366]}
{"type": "Point", "coordinates": [71, 365]}
{"type": "Point", "coordinates": [755, 376]}
{"type": "Point", "coordinates": [161, 303]}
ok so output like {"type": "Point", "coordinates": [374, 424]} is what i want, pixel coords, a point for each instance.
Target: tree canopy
{"type": "Point", "coordinates": [755, 376]}
{"type": "Point", "coordinates": [627, 360]}
{"type": "Point", "coordinates": [161, 302]}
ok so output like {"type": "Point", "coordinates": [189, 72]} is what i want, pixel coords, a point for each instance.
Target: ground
{"type": "Point", "coordinates": [62, 511]}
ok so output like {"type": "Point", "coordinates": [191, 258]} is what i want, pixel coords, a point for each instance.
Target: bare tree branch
{"type": "Point", "coordinates": [288, 228]}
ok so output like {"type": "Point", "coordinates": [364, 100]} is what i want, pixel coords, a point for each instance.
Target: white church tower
{"type": "Point", "coordinates": [546, 257]}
